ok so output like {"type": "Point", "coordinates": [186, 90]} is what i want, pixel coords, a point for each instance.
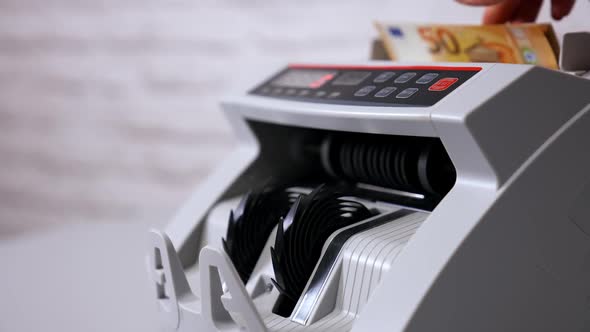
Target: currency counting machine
{"type": "Point", "coordinates": [389, 197]}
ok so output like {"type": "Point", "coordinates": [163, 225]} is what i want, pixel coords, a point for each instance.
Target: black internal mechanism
{"type": "Point", "coordinates": [414, 164]}
{"type": "Point", "coordinates": [251, 223]}
{"type": "Point", "coordinates": [301, 236]}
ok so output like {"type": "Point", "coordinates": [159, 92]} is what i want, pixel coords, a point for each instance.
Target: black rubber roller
{"type": "Point", "coordinates": [435, 169]}
{"type": "Point", "coordinates": [415, 164]}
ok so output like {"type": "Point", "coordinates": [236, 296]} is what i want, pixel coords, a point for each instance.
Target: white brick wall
{"type": "Point", "coordinates": [108, 109]}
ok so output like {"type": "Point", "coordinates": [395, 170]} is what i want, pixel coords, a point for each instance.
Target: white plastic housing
{"type": "Point", "coordinates": [507, 249]}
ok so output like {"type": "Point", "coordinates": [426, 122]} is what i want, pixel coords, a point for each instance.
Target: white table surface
{"type": "Point", "coordinates": [77, 278]}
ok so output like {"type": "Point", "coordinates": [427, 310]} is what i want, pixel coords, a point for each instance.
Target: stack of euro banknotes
{"type": "Point", "coordinates": [508, 43]}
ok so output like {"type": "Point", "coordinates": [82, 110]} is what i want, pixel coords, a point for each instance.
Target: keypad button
{"type": "Point", "coordinates": [364, 91]}
{"type": "Point", "coordinates": [426, 78]}
{"type": "Point", "coordinates": [384, 77]}
{"type": "Point", "coordinates": [443, 84]}
{"type": "Point", "coordinates": [277, 91]}
{"type": "Point", "coordinates": [334, 94]}
{"type": "Point", "coordinates": [265, 90]}
{"type": "Point", "coordinates": [385, 92]}
{"type": "Point", "coordinates": [403, 78]}
{"type": "Point", "coordinates": [320, 93]}
{"type": "Point", "coordinates": [304, 93]}
{"type": "Point", "coordinates": [407, 93]}
{"type": "Point", "coordinates": [291, 92]}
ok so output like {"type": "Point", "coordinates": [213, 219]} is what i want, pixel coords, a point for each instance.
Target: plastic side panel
{"type": "Point", "coordinates": [450, 115]}
{"type": "Point", "coordinates": [574, 56]}
{"type": "Point", "coordinates": [526, 266]}
{"type": "Point", "coordinates": [512, 125]}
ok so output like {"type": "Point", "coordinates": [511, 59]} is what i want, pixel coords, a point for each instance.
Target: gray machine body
{"type": "Point", "coordinates": [507, 249]}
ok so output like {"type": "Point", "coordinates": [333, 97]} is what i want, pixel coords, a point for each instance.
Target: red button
{"type": "Point", "coordinates": [443, 84]}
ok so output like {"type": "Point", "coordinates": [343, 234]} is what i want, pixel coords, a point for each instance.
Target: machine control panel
{"type": "Point", "coordinates": [366, 85]}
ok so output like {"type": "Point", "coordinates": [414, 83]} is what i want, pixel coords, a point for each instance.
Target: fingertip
{"type": "Point", "coordinates": [528, 11]}
{"type": "Point", "coordinates": [490, 17]}
{"type": "Point", "coordinates": [556, 12]}
{"type": "Point", "coordinates": [561, 8]}
{"type": "Point", "coordinates": [556, 15]}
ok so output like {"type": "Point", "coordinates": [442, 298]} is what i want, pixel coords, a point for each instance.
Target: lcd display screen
{"type": "Point", "coordinates": [304, 78]}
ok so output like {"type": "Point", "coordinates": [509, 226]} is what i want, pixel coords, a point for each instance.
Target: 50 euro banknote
{"type": "Point", "coordinates": [507, 43]}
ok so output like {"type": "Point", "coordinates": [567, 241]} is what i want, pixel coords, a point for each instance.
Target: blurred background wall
{"type": "Point", "coordinates": [108, 108]}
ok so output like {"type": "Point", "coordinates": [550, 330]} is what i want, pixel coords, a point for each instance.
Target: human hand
{"type": "Point", "coordinates": [502, 11]}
